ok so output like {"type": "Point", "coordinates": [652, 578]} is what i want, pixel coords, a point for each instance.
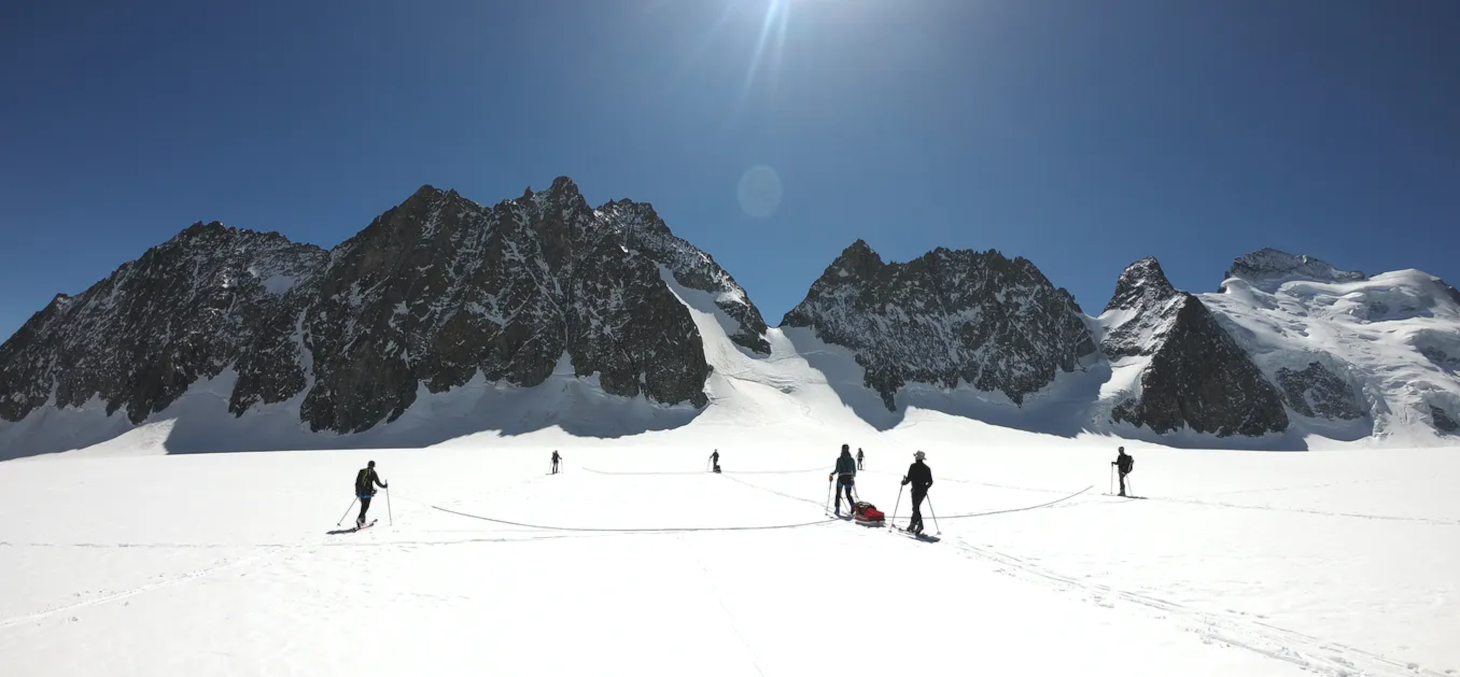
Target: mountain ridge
{"type": "Point", "coordinates": [442, 295]}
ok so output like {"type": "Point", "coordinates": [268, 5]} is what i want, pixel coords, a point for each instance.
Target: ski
{"type": "Point", "coordinates": [367, 526]}
{"type": "Point", "coordinates": [1119, 496]}
{"type": "Point", "coordinates": [924, 537]}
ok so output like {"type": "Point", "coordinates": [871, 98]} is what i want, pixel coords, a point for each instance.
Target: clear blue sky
{"type": "Point", "coordinates": [1082, 135]}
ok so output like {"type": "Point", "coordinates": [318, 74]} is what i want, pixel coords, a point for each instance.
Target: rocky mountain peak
{"type": "Point", "coordinates": [642, 229]}
{"type": "Point", "coordinates": [857, 260]}
{"type": "Point", "coordinates": [1142, 284]}
{"type": "Point", "coordinates": [947, 317]}
{"type": "Point", "coordinates": [1270, 267]}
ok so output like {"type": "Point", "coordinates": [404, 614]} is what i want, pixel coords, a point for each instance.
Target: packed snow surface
{"type": "Point", "coordinates": [122, 556]}
{"type": "Point", "coordinates": [1232, 563]}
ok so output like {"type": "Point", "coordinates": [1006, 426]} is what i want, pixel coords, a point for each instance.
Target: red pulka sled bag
{"type": "Point", "coordinates": [868, 514]}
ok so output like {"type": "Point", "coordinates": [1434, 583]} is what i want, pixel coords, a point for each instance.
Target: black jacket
{"type": "Point", "coordinates": [920, 476]}
{"type": "Point", "coordinates": [1124, 463]}
{"type": "Point", "coordinates": [363, 481]}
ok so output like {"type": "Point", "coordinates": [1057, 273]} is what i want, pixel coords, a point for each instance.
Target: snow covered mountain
{"type": "Point", "coordinates": [949, 316]}
{"type": "Point", "coordinates": [1176, 366]}
{"type": "Point", "coordinates": [444, 319]}
{"type": "Point", "coordinates": [1354, 356]}
{"type": "Point", "coordinates": [435, 293]}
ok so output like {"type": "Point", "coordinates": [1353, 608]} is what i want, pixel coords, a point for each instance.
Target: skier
{"type": "Point", "coordinates": [921, 477]}
{"type": "Point", "coordinates": [556, 458]}
{"type": "Point", "coordinates": [365, 491]}
{"type": "Point", "coordinates": [859, 459]}
{"type": "Point", "coordinates": [715, 461]}
{"type": "Point", "coordinates": [846, 473]}
{"type": "Point", "coordinates": [1124, 463]}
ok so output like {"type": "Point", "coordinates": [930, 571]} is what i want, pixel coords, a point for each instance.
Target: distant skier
{"type": "Point", "coordinates": [1124, 463]}
{"type": "Point", "coordinates": [365, 482]}
{"type": "Point", "coordinates": [715, 461]}
{"type": "Point", "coordinates": [846, 474]}
{"type": "Point", "coordinates": [556, 458]}
{"type": "Point", "coordinates": [859, 459]}
{"type": "Point", "coordinates": [920, 476]}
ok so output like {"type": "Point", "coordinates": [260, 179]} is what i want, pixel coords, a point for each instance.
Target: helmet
{"type": "Point", "coordinates": [919, 455]}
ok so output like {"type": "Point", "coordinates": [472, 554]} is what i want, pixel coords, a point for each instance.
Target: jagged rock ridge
{"type": "Point", "coordinates": [432, 293]}
{"type": "Point", "coordinates": [1270, 266]}
{"type": "Point", "coordinates": [978, 317]}
{"type": "Point", "coordinates": [1195, 375]}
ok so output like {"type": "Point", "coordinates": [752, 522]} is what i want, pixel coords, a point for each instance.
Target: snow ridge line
{"type": "Point", "coordinates": [645, 530]}
{"type": "Point", "coordinates": [1305, 651]}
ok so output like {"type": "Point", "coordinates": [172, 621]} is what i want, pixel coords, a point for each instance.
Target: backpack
{"type": "Point", "coordinates": [1128, 464]}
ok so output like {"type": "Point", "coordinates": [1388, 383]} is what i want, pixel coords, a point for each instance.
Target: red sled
{"type": "Point", "coordinates": [867, 515]}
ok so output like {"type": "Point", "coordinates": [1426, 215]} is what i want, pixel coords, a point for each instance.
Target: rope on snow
{"type": "Point", "coordinates": [1032, 507]}
{"type": "Point", "coordinates": [634, 530]}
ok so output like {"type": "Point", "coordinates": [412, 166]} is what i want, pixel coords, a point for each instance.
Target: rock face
{"type": "Point", "coordinates": [1317, 392]}
{"type": "Point", "coordinates": [1194, 374]}
{"type": "Point", "coordinates": [1442, 421]}
{"type": "Point", "coordinates": [431, 294]}
{"type": "Point", "coordinates": [643, 230]}
{"type": "Point", "coordinates": [210, 298]}
{"type": "Point", "coordinates": [1268, 267]}
{"type": "Point", "coordinates": [949, 316]}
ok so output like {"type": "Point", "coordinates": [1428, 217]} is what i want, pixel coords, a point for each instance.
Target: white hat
{"type": "Point", "coordinates": [919, 455]}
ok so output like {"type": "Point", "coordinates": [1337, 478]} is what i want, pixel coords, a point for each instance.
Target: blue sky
{"type": "Point", "coordinates": [1081, 135]}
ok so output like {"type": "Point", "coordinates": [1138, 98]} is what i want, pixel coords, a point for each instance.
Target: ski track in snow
{"type": "Point", "coordinates": [1307, 652]}
{"type": "Point", "coordinates": [113, 597]}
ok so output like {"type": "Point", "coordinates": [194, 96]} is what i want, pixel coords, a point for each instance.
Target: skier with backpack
{"type": "Point", "coordinates": [859, 459]}
{"type": "Point", "coordinates": [920, 476]}
{"type": "Point", "coordinates": [1123, 464]}
{"type": "Point", "coordinates": [365, 482]}
{"type": "Point", "coordinates": [846, 474]}
{"type": "Point", "coordinates": [556, 458]}
{"type": "Point", "coordinates": [715, 461]}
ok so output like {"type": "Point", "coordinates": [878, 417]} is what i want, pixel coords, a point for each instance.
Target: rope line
{"type": "Point", "coordinates": [702, 472]}
{"type": "Point", "coordinates": [1032, 507]}
{"type": "Point", "coordinates": [633, 530]}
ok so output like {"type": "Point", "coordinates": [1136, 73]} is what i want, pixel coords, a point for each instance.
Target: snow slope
{"type": "Point", "coordinates": [1394, 339]}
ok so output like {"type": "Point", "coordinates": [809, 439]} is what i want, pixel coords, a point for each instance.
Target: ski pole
{"type": "Point", "coordinates": [391, 515]}
{"type": "Point", "coordinates": [1130, 487]}
{"type": "Point", "coordinates": [347, 511]}
{"type": "Point", "coordinates": [934, 513]}
{"type": "Point", "coordinates": [1112, 478]}
{"type": "Point", "coordinates": [829, 489]}
{"type": "Point", "coordinates": [895, 506]}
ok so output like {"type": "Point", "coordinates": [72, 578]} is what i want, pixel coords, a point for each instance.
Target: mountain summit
{"type": "Point", "coordinates": [433, 293]}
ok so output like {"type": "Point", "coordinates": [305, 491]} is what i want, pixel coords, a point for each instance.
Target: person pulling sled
{"type": "Point", "coordinates": [846, 476]}
{"type": "Point", "coordinates": [365, 482]}
{"type": "Point", "coordinates": [920, 476]}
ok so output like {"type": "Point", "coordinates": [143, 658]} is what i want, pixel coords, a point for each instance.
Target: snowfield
{"type": "Point", "coordinates": [1235, 563]}
{"type": "Point", "coordinates": [130, 551]}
